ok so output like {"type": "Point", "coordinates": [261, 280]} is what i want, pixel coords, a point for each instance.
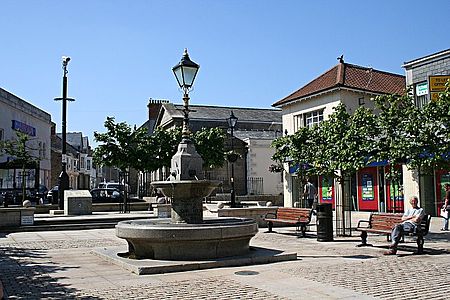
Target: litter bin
{"type": "Point", "coordinates": [324, 222]}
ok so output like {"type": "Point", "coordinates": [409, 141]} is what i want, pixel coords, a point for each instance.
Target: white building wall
{"type": "Point", "coordinates": [410, 185]}
{"type": "Point", "coordinates": [259, 158]}
{"type": "Point", "coordinates": [326, 101]}
{"type": "Point", "coordinates": [14, 108]}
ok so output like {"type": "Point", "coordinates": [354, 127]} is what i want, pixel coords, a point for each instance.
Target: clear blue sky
{"type": "Point", "coordinates": [251, 53]}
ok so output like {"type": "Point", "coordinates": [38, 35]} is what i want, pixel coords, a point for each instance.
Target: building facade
{"type": "Point", "coordinates": [17, 114]}
{"type": "Point", "coordinates": [80, 168]}
{"type": "Point", "coordinates": [255, 130]}
{"type": "Point", "coordinates": [426, 76]}
{"type": "Point", "coordinates": [353, 86]}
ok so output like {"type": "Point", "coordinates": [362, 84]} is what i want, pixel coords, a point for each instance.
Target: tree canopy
{"type": "Point", "coordinates": [125, 147]}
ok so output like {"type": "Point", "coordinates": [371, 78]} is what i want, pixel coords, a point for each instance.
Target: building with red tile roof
{"type": "Point", "coordinates": [344, 83]}
{"type": "Point", "coordinates": [349, 76]}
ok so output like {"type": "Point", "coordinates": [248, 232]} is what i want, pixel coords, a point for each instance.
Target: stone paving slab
{"type": "Point", "coordinates": [257, 255]}
{"type": "Point", "coordinates": [61, 265]}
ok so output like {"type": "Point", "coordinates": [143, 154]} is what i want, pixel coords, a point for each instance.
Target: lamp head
{"type": "Point", "coordinates": [65, 60]}
{"type": "Point", "coordinates": [232, 120]}
{"type": "Point", "coordinates": [185, 71]}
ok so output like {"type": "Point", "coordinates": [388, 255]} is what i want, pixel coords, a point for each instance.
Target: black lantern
{"type": "Point", "coordinates": [232, 120]}
{"type": "Point", "coordinates": [185, 71]}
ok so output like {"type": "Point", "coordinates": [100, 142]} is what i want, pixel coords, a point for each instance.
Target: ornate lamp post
{"type": "Point", "coordinates": [185, 72]}
{"type": "Point", "coordinates": [63, 179]}
{"type": "Point", "coordinates": [232, 120]}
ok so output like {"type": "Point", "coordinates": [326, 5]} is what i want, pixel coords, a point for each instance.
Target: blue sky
{"type": "Point", "coordinates": [251, 53]}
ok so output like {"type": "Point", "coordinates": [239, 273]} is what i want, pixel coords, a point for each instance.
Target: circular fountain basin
{"type": "Point", "coordinates": [187, 198]}
{"type": "Point", "coordinates": [213, 238]}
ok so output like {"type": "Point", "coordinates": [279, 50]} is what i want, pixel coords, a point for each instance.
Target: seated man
{"type": "Point", "coordinates": [411, 219]}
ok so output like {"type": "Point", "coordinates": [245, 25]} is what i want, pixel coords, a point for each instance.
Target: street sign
{"type": "Point", "coordinates": [422, 89]}
{"type": "Point", "coordinates": [437, 82]}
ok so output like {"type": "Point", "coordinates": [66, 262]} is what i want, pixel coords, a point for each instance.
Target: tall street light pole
{"type": "Point", "coordinates": [63, 179]}
{"type": "Point", "coordinates": [232, 120]}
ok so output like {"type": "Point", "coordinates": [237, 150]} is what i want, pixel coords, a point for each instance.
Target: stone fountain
{"type": "Point", "coordinates": [187, 235]}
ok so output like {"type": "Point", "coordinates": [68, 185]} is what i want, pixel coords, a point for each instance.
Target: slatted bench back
{"type": "Point", "coordinates": [384, 221]}
{"type": "Point", "coordinates": [294, 214]}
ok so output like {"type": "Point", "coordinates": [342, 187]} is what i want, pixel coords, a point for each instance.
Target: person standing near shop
{"type": "Point", "coordinates": [310, 193]}
{"type": "Point", "coordinates": [446, 207]}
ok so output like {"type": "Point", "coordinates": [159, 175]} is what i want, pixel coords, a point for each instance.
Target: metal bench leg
{"type": "Point", "coordinates": [270, 225]}
{"type": "Point", "coordinates": [420, 242]}
{"type": "Point", "coordinates": [303, 231]}
{"type": "Point", "coordinates": [363, 240]}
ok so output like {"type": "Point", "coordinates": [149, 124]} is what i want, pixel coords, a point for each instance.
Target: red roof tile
{"type": "Point", "coordinates": [350, 76]}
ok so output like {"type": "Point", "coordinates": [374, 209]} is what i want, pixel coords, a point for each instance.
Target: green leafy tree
{"type": "Point", "coordinates": [432, 144]}
{"type": "Point", "coordinates": [209, 143]}
{"type": "Point", "coordinates": [344, 142]}
{"type": "Point", "coordinates": [124, 147]}
{"type": "Point", "coordinates": [398, 122]}
{"type": "Point", "coordinates": [296, 150]}
{"type": "Point", "coordinates": [121, 146]}
{"type": "Point", "coordinates": [21, 151]}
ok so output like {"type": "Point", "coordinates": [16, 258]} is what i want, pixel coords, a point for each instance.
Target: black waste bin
{"type": "Point", "coordinates": [324, 222]}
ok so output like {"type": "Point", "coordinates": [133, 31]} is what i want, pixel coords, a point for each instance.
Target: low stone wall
{"type": "Point", "coordinates": [255, 213]}
{"type": "Point", "coordinates": [276, 200]}
{"type": "Point", "coordinates": [16, 216]}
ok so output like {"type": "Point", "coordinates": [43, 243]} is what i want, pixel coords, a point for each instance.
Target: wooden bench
{"type": "Point", "coordinates": [383, 223]}
{"type": "Point", "coordinates": [300, 217]}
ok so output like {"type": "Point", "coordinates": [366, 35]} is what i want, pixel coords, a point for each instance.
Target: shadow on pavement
{"type": "Point", "coordinates": [24, 278]}
{"type": "Point", "coordinates": [310, 235]}
{"type": "Point", "coordinates": [413, 250]}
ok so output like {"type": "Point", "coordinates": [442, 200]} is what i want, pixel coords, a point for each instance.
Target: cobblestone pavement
{"type": "Point", "coordinates": [60, 265]}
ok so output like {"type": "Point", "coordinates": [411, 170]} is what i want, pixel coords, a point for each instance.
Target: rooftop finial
{"type": "Point", "coordinates": [341, 59]}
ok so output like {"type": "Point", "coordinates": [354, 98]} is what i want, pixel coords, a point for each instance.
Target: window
{"type": "Point", "coordinates": [88, 164]}
{"type": "Point", "coordinates": [82, 162]}
{"type": "Point", "coordinates": [308, 119]}
{"type": "Point", "coordinates": [2, 134]}
{"type": "Point", "coordinates": [298, 122]}
{"type": "Point", "coordinates": [313, 118]}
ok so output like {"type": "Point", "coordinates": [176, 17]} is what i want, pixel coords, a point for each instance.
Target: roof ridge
{"type": "Point", "coordinates": [229, 107]}
{"type": "Point", "coordinates": [373, 69]}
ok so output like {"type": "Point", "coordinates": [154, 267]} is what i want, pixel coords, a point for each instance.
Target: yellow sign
{"type": "Point", "coordinates": [437, 83]}
{"type": "Point", "coordinates": [434, 96]}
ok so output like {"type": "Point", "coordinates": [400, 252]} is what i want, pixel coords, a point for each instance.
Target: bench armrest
{"type": "Point", "coordinates": [363, 221]}
{"type": "Point", "coordinates": [270, 215]}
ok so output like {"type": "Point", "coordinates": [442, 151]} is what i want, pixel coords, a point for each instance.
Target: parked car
{"type": "Point", "coordinates": [42, 192]}
{"type": "Point", "coordinates": [53, 194]}
{"type": "Point", "coordinates": [106, 195]}
{"type": "Point", "coordinates": [112, 185]}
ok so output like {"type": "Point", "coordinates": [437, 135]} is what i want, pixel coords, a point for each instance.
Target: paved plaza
{"type": "Point", "coordinates": [62, 265]}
